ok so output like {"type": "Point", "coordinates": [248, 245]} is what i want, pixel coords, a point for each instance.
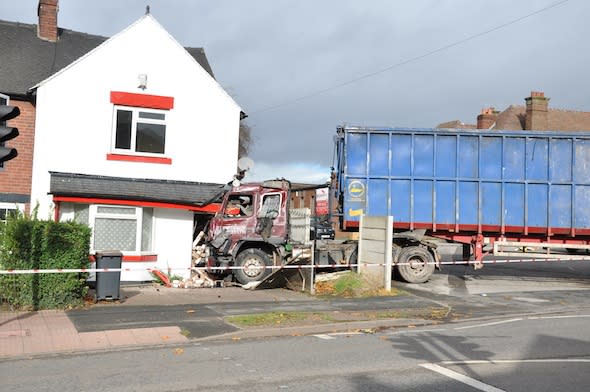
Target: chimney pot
{"type": "Point", "coordinates": [487, 118]}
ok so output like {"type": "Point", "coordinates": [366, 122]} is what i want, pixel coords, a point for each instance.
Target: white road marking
{"type": "Point", "coordinates": [328, 336]}
{"type": "Point", "coordinates": [333, 335]}
{"type": "Point", "coordinates": [461, 378]}
{"type": "Point", "coordinates": [346, 333]}
{"type": "Point", "coordinates": [325, 337]}
{"type": "Point", "coordinates": [405, 332]}
{"type": "Point", "coordinates": [489, 324]}
{"type": "Point", "coordinates": [510, 361]}
{"type": "Point", "coordinates": [532, 300]}
{"type": "Point", "coordinates": [558, 317]}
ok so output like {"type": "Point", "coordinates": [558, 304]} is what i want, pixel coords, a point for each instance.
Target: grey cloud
{"type": "Point", "coordinates": [267, 52]}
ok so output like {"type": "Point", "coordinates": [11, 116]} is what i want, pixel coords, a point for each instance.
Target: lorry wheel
{"type": "Point", "coordinates": [417, 264]}
{"type": "Point", "coordinates": [253, 265]}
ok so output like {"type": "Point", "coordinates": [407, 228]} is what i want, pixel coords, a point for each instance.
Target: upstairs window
{"type": "Point", "coordinates": [139, 130]}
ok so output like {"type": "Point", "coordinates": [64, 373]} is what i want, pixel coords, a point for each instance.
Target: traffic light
{"type": "Point", "coordinates": [7, 133]}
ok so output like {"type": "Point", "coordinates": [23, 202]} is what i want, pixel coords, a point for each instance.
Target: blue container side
{"type": "Point", "coordinates": [560, 163]}
{"type": "Point", "coordinates": [508, 179]}
{"type": "Point", "coordinates": [469, 157]}
{"type": "Point", "coordinates": [401, 155]}
{"type": "Point", "coordinates": [491, 150]}
{"type": "Point", "coordinates": [423, 201]}
{"type": "Point", "coordinates": [379, 155]}
{"type": "Point", "coordinates": [423, 162]}
{"type": "Point", "coordinates": [514, 153]}
{"type": "Point", "coordinates": [582, 198]}
{"type": "Point", "coordinates": [537, 159]}
{"type": "Point", "coordinates": [581, 170]}
{"type": "Point", "coordinates": [400, 200]}
{"type": "Point", "coordinates": [356, 153]}
{"type": "Point", "coordinates": [491, 203]}
{"type": "Point", "coordinates": [514, 205]}
{"type": "Point", "coordinates": [561, 199]}
{"type": "Point", "coordinates": [446, 164]}
{"type": "Point", "coordinates": [468, 198]}
{"type": "Point", "coordinates": [445, 202]}
{"type": "Point", "coordinates": [378, 197]}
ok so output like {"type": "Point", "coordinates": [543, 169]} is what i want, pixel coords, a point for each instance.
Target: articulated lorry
{"type": "Point", "coordinates": [490, 192]}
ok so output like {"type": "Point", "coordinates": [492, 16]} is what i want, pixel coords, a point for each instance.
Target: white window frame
{"type": "Point", "coordinates": [137, 216]}
{"type": "Point", "coordinates": [12, 206]}
{"type": "Point", "coordinates": [6, 98]}
{"type": "Point", "coordinates": [134, 120]}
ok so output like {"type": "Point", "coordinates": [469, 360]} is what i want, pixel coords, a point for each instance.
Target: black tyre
{"type": "Point", "coordinates": [254, 266]}
{"type": "Point", "coordinates": [415, 264]}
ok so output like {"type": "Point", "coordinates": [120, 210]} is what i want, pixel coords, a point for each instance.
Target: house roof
{"type": "Point", "coordinates": [456, 124]}
{"type": "Point", "coordinates": [152, 190]}
{"type": "Point", "coordinates": [513, 118]}
{"type": "Point", "coordinates": [26, 60]}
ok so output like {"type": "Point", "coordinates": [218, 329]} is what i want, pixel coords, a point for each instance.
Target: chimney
{"type": "Point", "coordinates": [536, 111]}
{"type": "Point", "coordinates": [487, 118]}
{"type": "Point", "coordinates": [47, 27]}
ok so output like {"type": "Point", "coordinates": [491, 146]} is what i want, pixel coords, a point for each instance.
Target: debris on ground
{"type": "Point", "coordinates": [251, 285]}
{"type": "Point", "coordinates": [202, 279]}
{"type": "Point", "coordinates": [327, 276]}
{"type": "Point", "coordinates": [163, 277]}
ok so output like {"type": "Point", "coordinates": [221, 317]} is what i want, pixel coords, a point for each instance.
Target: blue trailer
{"type": "Point", "coordinates": [475, 187]}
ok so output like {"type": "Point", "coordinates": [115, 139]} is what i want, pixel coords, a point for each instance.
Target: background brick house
{"type": "Point", "coordinates": [534, 115]}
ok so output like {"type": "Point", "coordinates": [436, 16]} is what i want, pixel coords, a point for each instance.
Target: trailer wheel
{"type": "Point", "coordinates": [253, 265]}
{"type": "Point", "coordinates": [417, 264]}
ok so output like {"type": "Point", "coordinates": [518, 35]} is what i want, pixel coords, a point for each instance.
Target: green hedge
{"type": "Point", "coordinates": [34, 244]}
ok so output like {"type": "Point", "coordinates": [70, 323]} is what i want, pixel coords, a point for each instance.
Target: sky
{"type": "Point", "coordinates": [300, 68]}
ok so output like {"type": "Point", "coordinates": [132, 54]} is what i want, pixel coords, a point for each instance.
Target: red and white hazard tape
{"type": "Point", "coordinates": [229, 268]}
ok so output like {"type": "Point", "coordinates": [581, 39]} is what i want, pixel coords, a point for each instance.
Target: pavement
{"type": "Point", "coordinates": [156, 316]}
{"type": "Point", "coordinates": [171, 317]}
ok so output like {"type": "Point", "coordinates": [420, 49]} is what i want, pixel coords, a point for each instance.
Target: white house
{"type": "Point", "coordinates": [134, 138]}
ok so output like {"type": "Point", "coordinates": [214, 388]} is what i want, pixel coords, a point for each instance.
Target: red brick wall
{"type": "Point", "coordinates": [302, 199]}
{"type": "Point", "coordinates": [48, 20]}
{"type": "Point", "coordinates": [537, 106]}
{"type": "Point", "coordinates": [16, 175]}
{"type": "Point", "coordinates": [487, 118]}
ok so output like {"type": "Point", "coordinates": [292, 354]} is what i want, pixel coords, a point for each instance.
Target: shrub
{"type": "Point", "coordinates": [348, 285]}
{"type": "Point", "coordinates": [33, 244]}
{"type": "Point", "coordinates": [353, 285]}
